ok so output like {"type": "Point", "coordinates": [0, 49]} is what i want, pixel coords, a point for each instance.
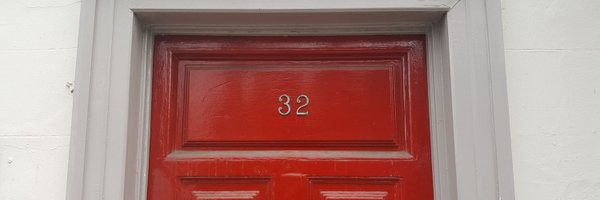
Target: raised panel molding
{"type": "Point", "coordinates": [211, 195]}
{"type": "Point", "coordinates": [356, 188]}
{"type": "Point", "coordinates": [199, 59]}
{"type": "Point", "coordinates": [354, 195]}
{"type": "Point", "coordinates": [226, 188]}
{"type": "Point", "coordinates": [223, 180]}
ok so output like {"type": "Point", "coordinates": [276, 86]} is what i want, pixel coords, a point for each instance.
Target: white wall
{"type": "Point", "coordinates": [553, 72]}
{"type": "Point", "coordinates": [38, 40]}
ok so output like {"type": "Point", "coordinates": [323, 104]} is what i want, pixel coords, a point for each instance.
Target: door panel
{"type": "Point", "coordinates": [237, 104]}
{"type": "Point", "coordinates": [210, 188]}
{"type": "Point", "coordinates": [324, 117]}
{"type": "Point", "coordinates": [362, 188]}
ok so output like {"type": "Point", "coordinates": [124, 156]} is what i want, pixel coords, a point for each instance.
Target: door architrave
{"type": "Point", "coordinates": [468, 108]}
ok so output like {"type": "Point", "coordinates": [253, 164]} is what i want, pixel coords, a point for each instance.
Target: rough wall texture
{"type": "Point", "coordinates": [38, 40]}
{"type": "Point", "coordinates": [553, 71]}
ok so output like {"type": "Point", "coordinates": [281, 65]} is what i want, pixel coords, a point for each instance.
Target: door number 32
{"type": "Point", "coordinates": [285, 100]}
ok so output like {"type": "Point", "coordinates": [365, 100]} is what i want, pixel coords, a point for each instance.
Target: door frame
{"type": "Point", "coordinates": [470, 136]}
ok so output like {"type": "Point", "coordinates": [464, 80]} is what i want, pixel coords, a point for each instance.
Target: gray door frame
{"type": "Point", "coordinates": [467, 84]}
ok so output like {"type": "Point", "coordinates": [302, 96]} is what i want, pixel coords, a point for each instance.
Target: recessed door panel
{"type": "Point", "coordinates": [269, 104]}
{"type": "Point", "coordinates": [224, 188]}
{"type": "Point", "coordinates": [318, 117]}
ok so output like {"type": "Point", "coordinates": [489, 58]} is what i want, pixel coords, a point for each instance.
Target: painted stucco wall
{"type": "Point", "coordinates": [38, 41]}
{"type": "Point", "coordinates": [553, 73]}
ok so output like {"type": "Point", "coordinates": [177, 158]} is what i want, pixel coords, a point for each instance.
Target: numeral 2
{"type": "Point", "coordinates": [302, 106]}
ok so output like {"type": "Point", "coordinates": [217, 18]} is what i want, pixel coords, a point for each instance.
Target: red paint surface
{"type": "Point", "coordinates": [236, 103]}
{"type": "Point", "coordinates": [216, 132]}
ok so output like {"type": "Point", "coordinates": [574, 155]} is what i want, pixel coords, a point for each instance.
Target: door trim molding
{"type": "Point", "coordinates": [467, 85]}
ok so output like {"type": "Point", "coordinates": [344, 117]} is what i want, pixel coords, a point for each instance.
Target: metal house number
{"type": "Point", "coordinates": [285, 100]}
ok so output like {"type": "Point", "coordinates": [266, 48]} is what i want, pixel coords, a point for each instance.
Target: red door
{"type": "Point", "coordinates": [290, 118]}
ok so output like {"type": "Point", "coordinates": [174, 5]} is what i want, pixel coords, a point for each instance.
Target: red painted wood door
{"type": "Point", "coordinates": [290, 118]}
